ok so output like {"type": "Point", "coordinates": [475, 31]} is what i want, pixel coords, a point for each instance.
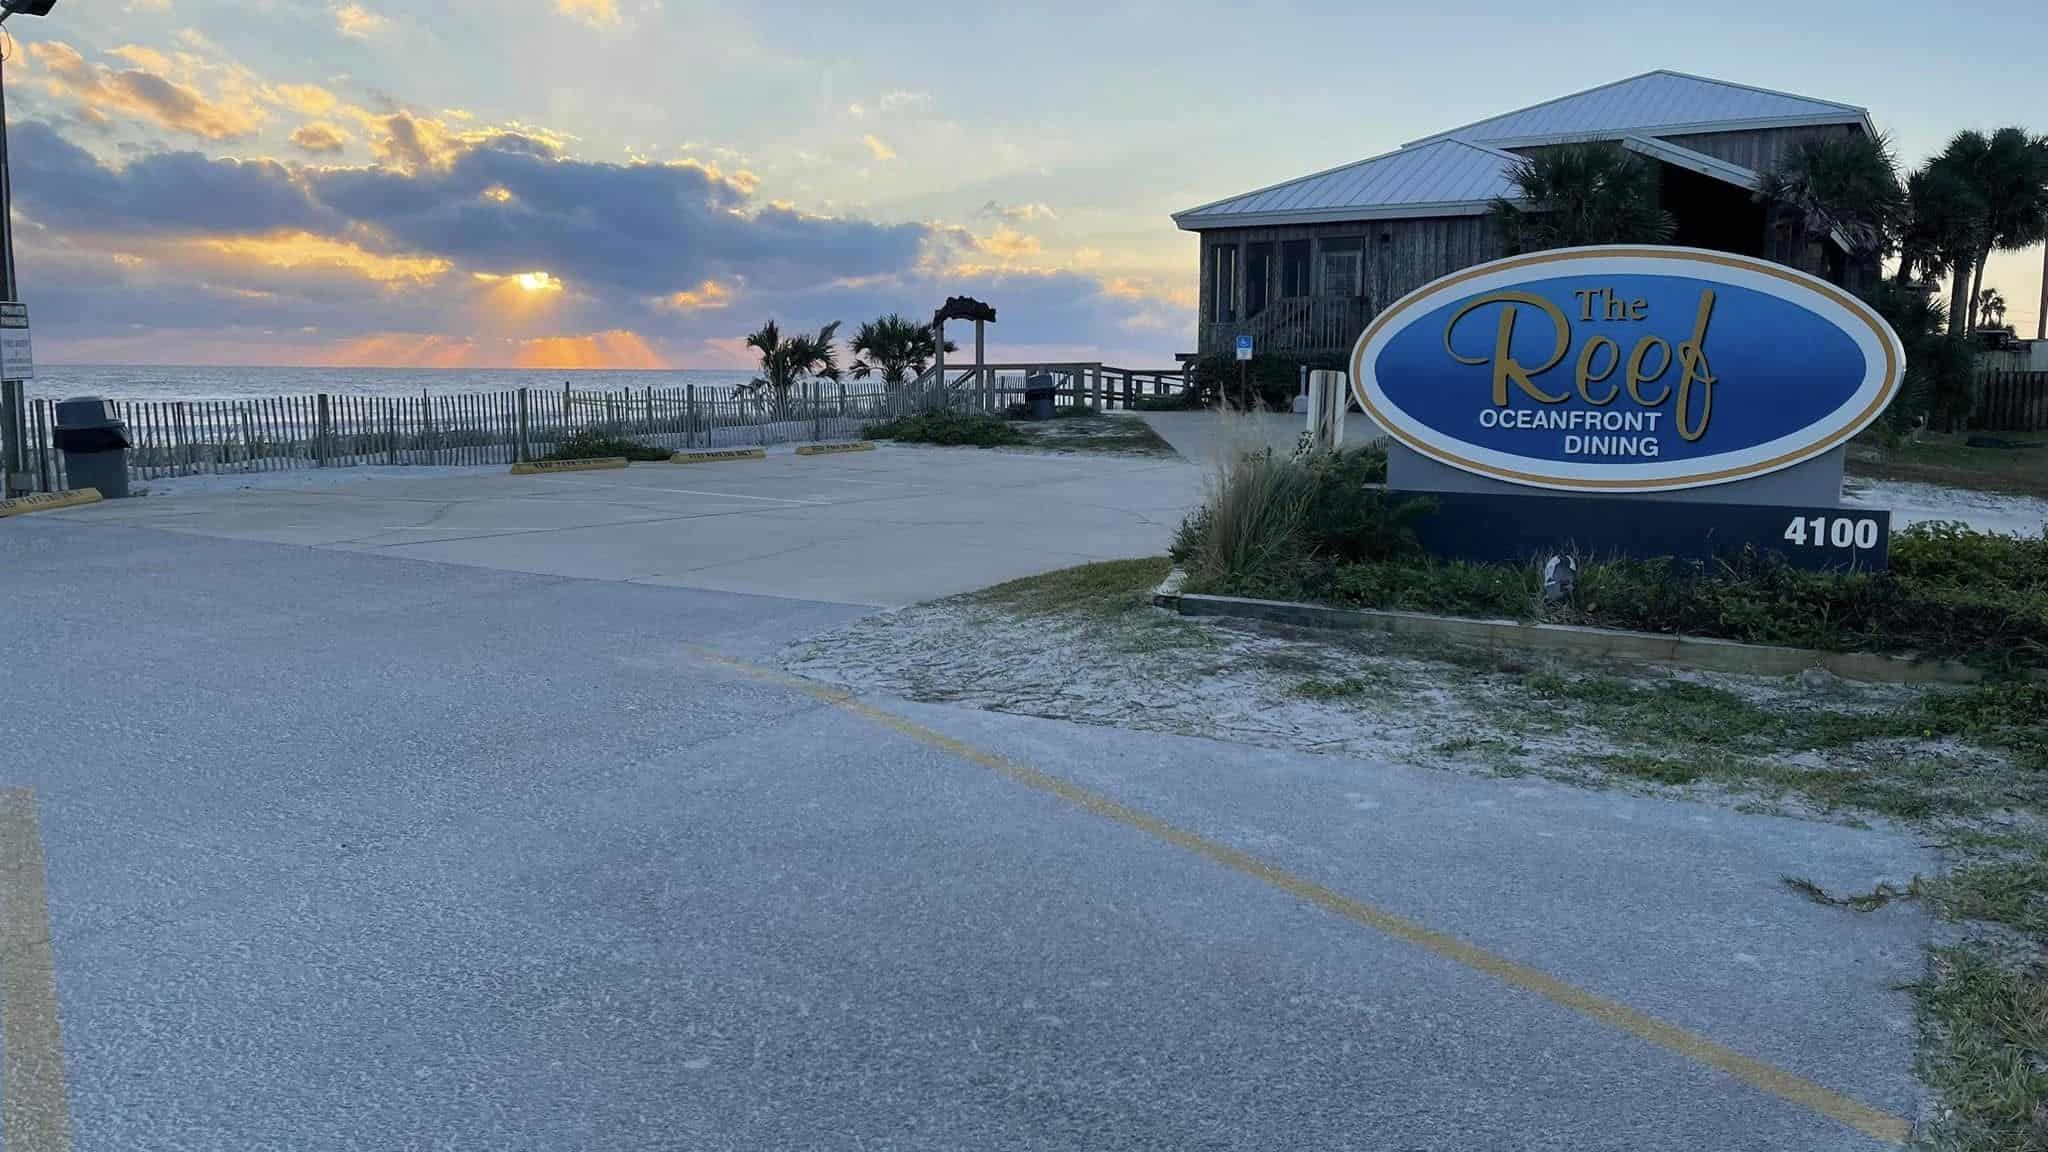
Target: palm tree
{"type": "Point", "coordinates": [1844, 187]}
{"type": "Point", "coordinates": [1939, 222]}
{"type": "Point", "coordinates": [1584, 193]}
{"type": "Point", "coordinates": [2008, 171]}
{"type": "Point", "coordinates": [786, 361]}
{"type": "Point", "coordinates": [896, 347]}
{"type": "Point", "coordinates": [1990, 307]}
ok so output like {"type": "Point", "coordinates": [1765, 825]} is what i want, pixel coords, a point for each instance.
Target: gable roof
{"type": "Point", "coordinates": [1656, 103]}
{"type": "Point", "coordinates": [1441, 178]}
{"type": "Point", "coordinates": [1459, 172]}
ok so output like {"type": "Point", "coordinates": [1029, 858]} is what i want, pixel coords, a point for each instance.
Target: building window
{"type": "Point", "coordinates": [1342, 263]}
{"type": "Point", "coordinates": [1294, 269]}
{"type": "Point", "coordinates": [1223, 291]}
{"type": "Point", "coordinates": [1258, 278]}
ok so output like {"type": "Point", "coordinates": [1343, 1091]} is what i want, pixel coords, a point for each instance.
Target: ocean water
{"type": "Point", "coordinates": [129, 382]}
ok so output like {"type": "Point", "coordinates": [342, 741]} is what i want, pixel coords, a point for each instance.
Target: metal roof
{"type": "Point", "coordinates": [1442, 178]}
{"type": "Point", "coordinates": [1655, 103]}
{"type": "Point", "coordinates": [1700, 162]}
{"type": "Point", "coordinates": [1459, 172]}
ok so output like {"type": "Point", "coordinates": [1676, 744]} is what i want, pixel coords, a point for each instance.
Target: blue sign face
{"type": "Point", "coordinates": [1626, 369]}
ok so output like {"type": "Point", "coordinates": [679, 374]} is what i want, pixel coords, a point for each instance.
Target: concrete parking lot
{"type": "Point", "coordinates": [892, 526]}
{"type": "Point", "coordinates": [469, 812]}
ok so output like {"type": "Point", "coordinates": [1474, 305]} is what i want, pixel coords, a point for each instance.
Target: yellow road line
{"type": "Point", "coordinates": [45, 501]}
{"type": "Point", "coordinates": [34, 1106]}
{"type": "Point", "coordinates": [1769, 1078]}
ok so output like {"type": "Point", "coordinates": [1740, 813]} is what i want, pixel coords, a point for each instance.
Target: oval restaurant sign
{"type": "Point", "coordinates": [1626, 369]}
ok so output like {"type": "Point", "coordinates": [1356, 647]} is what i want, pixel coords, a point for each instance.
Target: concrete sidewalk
{"type": "Point", "coordinates": [894, 526]}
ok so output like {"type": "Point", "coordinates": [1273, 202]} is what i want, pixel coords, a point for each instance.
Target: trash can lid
{"type": "Point", "coordinates": [85, 410]}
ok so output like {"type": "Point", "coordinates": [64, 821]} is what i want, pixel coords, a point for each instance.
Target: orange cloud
{"type": "Point", "coordinates": [596, 13]}
{"type": "Point", "coordinates": [305, 99]}
{"type": "Point", "coordinates": [357, 21]}
{"type": "Point", "coordinates": [1128, 288]}
{"type": "Point", "coordinates": [320, 137]}
{"type": "Point", "coordinates": [1009, 244]}
{"type": "Point", "coordinates": [709, 294]}
{"type": "Point", "coordinates": [306, 252]}
{"type": "Point", "coordinates": [143, 92]}
{"type": "Point", "coordinates": [405, 141]}
{"type": "Point", "coordinates": [618, 348]}
{"type": "Point", "coordinates": [880, 150]}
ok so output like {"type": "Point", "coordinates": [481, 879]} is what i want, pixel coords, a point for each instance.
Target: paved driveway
{"type": "Point", "coordinates": [343, 848]}
{"type": "Point", "coordinates": [893, 526]}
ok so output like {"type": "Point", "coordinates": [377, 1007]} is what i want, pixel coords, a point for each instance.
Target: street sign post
{"type": "Point", "coordinates": [16, 361]}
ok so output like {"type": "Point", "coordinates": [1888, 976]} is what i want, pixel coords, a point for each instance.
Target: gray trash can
{"type": "Point", "coordinates": [1039, 395]}
{"type": "Point", "coordinates": [94, 444]}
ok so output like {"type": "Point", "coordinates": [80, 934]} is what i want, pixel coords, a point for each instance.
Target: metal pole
{"type": "Point", "coordinates": [13, 408]}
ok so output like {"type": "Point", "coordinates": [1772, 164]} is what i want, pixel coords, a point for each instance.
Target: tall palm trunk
{"type": "Point", "coordinates": [1959, 299]}
{"type": "Point", "coordinates": [2041, 317]}
{"type": "Point", "coordinates": [1977, 284]}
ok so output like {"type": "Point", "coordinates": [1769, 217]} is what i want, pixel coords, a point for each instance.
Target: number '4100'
{"type": "Point", "coordinates": [1839, 532]}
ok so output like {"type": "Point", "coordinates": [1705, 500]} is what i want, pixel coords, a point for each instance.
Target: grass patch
{"type": "Point", "coordinates": [2013, 893]}
{"type": "Point", "coordinates": [595, 446]}
{"type": "Point", "coordinates": [1110, 588]}
{"type": "Point", "coordinates": [1655, 769]}
{"type": "Point", "coordinates": [947, 428]}
{"type": "Point", "coordinates": [1949, 460]}
{"type": "Point", "coordinates": [1986, 1020]}
{"type": "Point", "coordinates": [1087, 432]}
{"type": "Point", "coordinates": [1349, 688]}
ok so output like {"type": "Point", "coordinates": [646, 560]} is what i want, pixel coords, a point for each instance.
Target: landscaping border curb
{"type": "Point", "coordinates": [713, 455]}
{"type": "Point", "coordinates": [538, 467]}
{"type": "Point", "coordinates": [48, 501]}
{"type": "Point", "coordinates": [834, 449]}
{"type": "Point", "coordinates": [1702, 653]}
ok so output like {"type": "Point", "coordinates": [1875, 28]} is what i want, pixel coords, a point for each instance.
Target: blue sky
{"type": "Point", "coordinates": [641, 182]}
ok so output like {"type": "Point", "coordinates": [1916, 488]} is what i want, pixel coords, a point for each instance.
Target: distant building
{"type": "Point", "coordinates": [1302, 266]}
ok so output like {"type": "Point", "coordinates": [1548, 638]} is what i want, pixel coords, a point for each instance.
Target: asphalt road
{"type": "Point", "coordinates": [346, 850]}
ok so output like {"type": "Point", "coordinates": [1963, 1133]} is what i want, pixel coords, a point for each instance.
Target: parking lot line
{"type": "Point", "coordinates": [34, 1106]}
{"type": "Point", "coordinates": [1761, 1075]}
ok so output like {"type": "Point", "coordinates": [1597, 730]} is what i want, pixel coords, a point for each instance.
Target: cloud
{"type": "Point", "coordinates": [856, 111]}
{"type": "Point", "coordinates": [881, 151]}
{"type": "Point", "coordinates": [305, 99]}
{"type": "Point", "coordinates": [60, 185]}
{"type": "Point", "coordinates": [891, 101]}
{"type": "Point", "coordinates": [407, 142]}
{"type": "Point", "coordinates": [1007, 243]}
{"type": "Point", "coordinates": [141, 92]}
{"type": "Point", "coordinates": [320, 138]}
{"type": "Point", "coordinates": [709, 294]}
{"type": "Point", "coordinates": [596, 13]}
{"type": "Point", "coordinates": [650, 229]}
{"type": "Point", "coordinates": [147, 6]}
{"type": "Point", "coordinates": [359, 22]}
{"type": "Point", "coordinates": [1027, 212]}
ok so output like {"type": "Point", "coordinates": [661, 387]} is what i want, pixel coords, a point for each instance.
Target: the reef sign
{"type": "Point", "coordinates": [1626, 369]}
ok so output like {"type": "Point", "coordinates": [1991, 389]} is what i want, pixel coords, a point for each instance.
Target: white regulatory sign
{"type": "Point", "coordinates": [16, 362]}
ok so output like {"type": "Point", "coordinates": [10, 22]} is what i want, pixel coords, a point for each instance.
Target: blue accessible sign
{"type": "Point", "coordinates": [1626, 369]}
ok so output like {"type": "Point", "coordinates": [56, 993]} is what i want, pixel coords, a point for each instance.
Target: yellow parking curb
{"type": "Point", "coordinates": [531, 467]}
{"type": "Point", "coordinates": [834, 449]}
{"type": "Point", "coordinates": [711, 455]}
{"type": "Point", "coordinates": [44, 501]}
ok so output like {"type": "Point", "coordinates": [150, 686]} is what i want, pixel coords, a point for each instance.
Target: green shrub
{"type": "Point", "coordinates": [945, 427]}
{"type": "Point", "coordinates": [588, 445]}
{"type": "Point", "coordinates": [1251, 537]}
{"type": "Point", "coordinates": [1184, 400]}
{"type": "Point", "coordinates": [1273, 381]}
{"type": "Point", "coordinates": [1272, 525]}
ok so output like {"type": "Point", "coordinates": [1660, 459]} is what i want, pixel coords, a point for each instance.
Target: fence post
{"type": "Point", "coordinates": [689, 416]}
{"type": "Point", "coordinates": [523, 426]}
{"type": "Point", "coordinates": [817, 426]}
{"type": "Point", "coordinates": [43, 445]}
{"type": "Point", "coordinates": [321, 427]}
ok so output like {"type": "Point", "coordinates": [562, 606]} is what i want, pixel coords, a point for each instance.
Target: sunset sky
{"type": "Point", "coordinates": [638, 183]}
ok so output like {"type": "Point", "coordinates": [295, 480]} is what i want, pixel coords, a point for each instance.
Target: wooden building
{"type": "Point", "coordinates": [1302, 266]}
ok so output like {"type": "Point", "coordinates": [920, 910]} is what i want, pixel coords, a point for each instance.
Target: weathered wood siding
{"type": "Point", "coordinates": [1398, 256]}
{"type": "Point", "coordinates": [1757, 151]}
